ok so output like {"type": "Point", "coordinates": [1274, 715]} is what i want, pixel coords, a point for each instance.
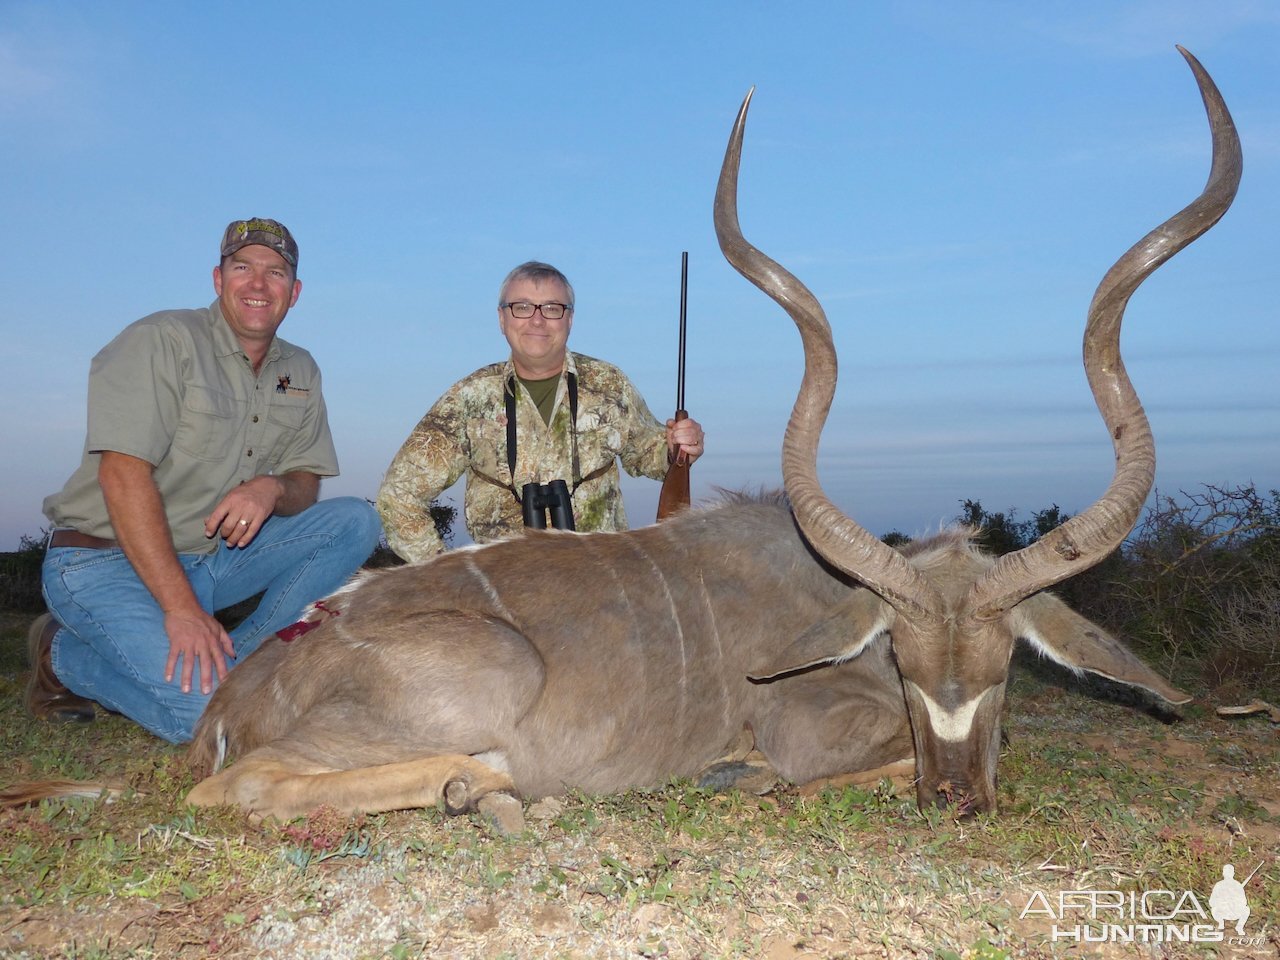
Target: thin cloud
{"type": "Point", "coordinates": [1142, 29]}
{"type": "Point", "coordinates": [26, 78]}
{"type": "Point", "coordinates": [49, 65]}
{"type": "Point", "coordinates": [1114, 30]}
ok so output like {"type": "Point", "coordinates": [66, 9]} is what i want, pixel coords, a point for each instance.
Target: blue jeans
{"type": "Point", "coordinates": [112, 646]}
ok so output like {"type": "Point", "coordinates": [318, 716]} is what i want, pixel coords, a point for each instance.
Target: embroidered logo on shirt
{"type": "Point", "coordinates": [283, 386]}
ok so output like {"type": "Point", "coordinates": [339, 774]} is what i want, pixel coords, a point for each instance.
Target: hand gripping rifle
{"type": "Point", "coordinates": [675, 486]}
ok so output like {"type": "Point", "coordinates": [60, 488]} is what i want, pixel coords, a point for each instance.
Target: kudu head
{"type": "Point", "coordinates": [953, 614]}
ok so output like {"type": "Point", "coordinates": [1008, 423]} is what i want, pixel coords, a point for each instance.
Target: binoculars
{"type": "Point", "coordinates": [537, 498]}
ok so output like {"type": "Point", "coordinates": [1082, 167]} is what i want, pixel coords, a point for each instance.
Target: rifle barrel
{"type": "Point", "coordinates": [684, 309]}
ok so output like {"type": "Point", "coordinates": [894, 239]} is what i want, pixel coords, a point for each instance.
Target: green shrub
{"type": "Point", "coordinates": [20, 577]}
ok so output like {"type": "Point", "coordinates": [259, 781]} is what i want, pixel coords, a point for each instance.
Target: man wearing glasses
{"type": "Point", "coordinates": [544, 416]}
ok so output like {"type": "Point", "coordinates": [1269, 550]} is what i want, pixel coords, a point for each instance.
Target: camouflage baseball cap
{"type": "Point", "coordinates": [268, 233]}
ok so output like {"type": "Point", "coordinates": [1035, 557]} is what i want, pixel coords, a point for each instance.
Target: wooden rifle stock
{"type": "Point", "coordinates": [675, 486]}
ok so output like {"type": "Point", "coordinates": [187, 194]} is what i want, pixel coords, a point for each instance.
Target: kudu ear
{"type": "Point", "coordinates": [854, 624]}
{"type": "Point", "coordinates": [1067, 638]}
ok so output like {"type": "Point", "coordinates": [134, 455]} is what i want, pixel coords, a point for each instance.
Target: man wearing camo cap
{"type": "Point", "coordinates": [546, 414]}
{"type": "Point", "coordinates": [197, 489]}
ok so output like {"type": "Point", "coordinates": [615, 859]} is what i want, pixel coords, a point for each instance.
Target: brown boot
{"type": "Point", "coordinates": [47, 698]}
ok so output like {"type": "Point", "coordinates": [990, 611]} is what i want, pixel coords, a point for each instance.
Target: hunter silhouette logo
{"type": "Point", "coordinates": [1228, 902]}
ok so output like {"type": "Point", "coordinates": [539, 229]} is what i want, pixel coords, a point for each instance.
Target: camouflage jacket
{"type": "Point", "coordinates": [466, 431]}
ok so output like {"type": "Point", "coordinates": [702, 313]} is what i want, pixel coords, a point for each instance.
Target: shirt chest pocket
{"type": "Point", "coordinates": [487, 440]}
{"type": "Point", "coordinates": [599, 440]}
{"type": "Point", "coordinates": [283, 422]}
{"type": "Point", "coordinates": [209, 425]}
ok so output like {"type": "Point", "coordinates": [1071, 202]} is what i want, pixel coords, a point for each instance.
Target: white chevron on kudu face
{"type": "Point", "coordinates": [952, 725]}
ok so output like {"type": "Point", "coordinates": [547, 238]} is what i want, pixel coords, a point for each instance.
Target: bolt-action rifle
{"type": "Point", "coordinates": [675, 486]}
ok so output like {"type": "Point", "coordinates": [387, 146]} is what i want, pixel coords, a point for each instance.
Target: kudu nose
{"type": "Point", "coordinates": [957, 796]}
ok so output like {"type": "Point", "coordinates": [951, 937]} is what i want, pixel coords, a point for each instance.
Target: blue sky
{"type": "Point", "coordinates": [951, 180]}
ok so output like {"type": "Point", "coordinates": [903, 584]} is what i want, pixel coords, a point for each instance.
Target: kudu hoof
{"type": "Point", "coordinates": [457, 798]}
{"type": "Point", "coordinates": [503, 813]}
{"type": "Point", "coordinates": [755, 778]}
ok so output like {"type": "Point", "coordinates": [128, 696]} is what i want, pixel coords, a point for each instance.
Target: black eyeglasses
{"type": "Point", "coordinates": [523, 309]}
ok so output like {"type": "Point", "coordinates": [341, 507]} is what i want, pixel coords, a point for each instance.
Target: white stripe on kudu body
{"type": "Point", "coordinates": [490, 590]}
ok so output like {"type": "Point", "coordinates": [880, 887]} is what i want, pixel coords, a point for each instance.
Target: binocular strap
{"type": "Point", "coordinates": [571, 381]}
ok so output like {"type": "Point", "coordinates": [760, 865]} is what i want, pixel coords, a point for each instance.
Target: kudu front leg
{"type": "Point", "coordinates": [265, 785]}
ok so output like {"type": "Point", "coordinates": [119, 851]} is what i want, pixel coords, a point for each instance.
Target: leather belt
{"type": "Point", "coordinates": [74, 538]}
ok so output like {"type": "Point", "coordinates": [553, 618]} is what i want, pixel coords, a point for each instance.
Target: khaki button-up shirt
{"type": "Point", "coordinates": [175, 389]}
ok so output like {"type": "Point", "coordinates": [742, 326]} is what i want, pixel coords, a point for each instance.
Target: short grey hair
{"type": "Point", "coordinates": [538, 272]}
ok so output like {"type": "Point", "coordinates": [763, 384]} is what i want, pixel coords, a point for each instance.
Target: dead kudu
{"type": "Point", "coordinates": [605, 661]}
